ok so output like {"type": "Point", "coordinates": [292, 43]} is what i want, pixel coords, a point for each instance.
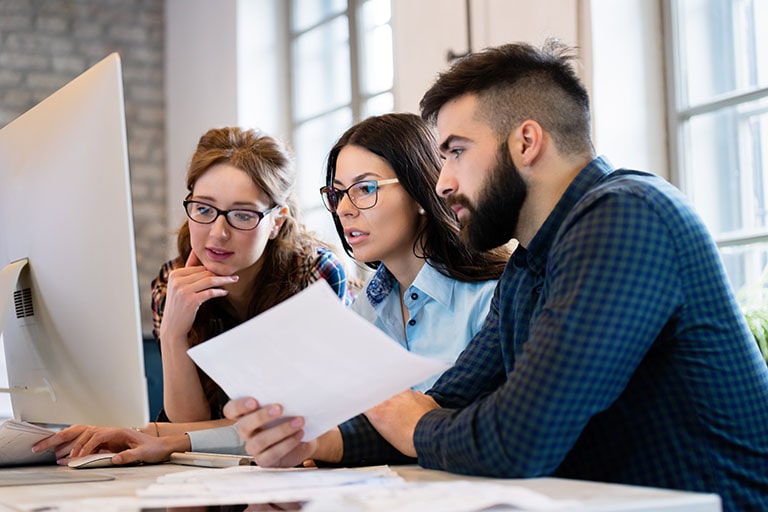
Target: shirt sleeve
{"type": "Point", "coordinates": [611, 286]}
{"type": "Point", "coordinates": [478, 370]}
{"type": "Point", "coordinates": [327, 266]}
{"type": "Point", "coordinates": [159, 290]}
{"type": "Point", "coordinates": [364, 446]}
{"type": "Point", "coordinates": [217, 440]}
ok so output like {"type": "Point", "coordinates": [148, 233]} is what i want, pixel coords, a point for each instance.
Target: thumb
{"type": "Point", "coordinates": [127, 457]}
{"type": "Point", "coordinates": [193, 260]}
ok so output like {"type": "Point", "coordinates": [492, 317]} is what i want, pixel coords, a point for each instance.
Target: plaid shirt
{"type": "Point", "coordinates": [614, 351]}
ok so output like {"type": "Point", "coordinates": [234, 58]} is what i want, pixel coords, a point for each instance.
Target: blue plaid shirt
{"type": "Point", "coordinates": [614, 351]}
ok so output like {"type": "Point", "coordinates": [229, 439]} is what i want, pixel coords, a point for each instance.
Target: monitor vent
{"type": "Point", "coordinates": [22, 300]}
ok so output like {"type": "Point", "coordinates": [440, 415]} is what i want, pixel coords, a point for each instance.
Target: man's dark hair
{"type": "Point", "coordinates": [515, 82]}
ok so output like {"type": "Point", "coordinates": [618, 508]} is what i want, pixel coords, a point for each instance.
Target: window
{"type": "Point", "coordinates": [341, 72]}
{"type": "Point", "coordinates": [718, 56]}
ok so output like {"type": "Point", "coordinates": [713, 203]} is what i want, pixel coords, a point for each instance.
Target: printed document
{"type": "Point", "coordinates": [16, 440]}
{"type": "Point", "coordinates": [315, 357]}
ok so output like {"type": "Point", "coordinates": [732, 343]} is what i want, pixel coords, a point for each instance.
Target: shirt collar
{"type": "Point", "coordinates": [380, 285]}
{"type": "Point", "coordinates": [539, 247]}
{"type": "Point", "coordinates": [429, 281]}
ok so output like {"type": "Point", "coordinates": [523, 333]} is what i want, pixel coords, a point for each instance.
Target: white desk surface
{"type": "Point", "coordinates": [125, 481]}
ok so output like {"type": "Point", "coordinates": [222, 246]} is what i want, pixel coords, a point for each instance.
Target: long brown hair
{"type": "Point", "coordinates": [284, 271]}
{"type": "Point", "coordinates": [407, 144]}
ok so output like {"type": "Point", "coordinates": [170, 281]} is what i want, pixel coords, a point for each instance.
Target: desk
{"type": "Point", "coordinates": [119, 493]}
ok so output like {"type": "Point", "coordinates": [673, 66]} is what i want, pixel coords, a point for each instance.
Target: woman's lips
{"type": "Point", "coordinates": [217, 254]}
{"type": "Point", "coordinates": [355, 236]}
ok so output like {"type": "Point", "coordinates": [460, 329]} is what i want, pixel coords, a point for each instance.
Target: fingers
{"type": "Point", "coordinates": [286, 452]}
{"type": "Point", "coordinates": [238, 407]}
{"type": "Point", "coordinates": [271, 438]}
{"type": "Point", "coordinates": [61, 438]}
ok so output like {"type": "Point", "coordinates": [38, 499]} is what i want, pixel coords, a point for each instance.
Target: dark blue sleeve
{"type": "Point", "coordinates": [611, 286]}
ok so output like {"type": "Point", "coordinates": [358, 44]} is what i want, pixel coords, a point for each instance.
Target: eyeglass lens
{"type": "Point", "coordinates": [239, 219]}
{"type": "Point", "coordinates": [362, 194]}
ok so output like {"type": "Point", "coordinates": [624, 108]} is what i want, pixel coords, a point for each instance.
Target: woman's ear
{"type": "Point", "coordinates": [280, 215]}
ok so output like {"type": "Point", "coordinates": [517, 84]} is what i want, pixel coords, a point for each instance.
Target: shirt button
{"type": "Point", "coordinates": [414, 296]}
{"type": "Point", "coordinates": [411, 322]}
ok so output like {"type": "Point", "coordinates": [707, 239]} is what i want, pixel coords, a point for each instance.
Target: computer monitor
{"type": "Point", "coordinates": [72, 335]}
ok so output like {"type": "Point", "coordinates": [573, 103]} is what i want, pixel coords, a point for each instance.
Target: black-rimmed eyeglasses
{"type": "Point", "coordinates": [362, 194]}
{"type": "Point", "coordinates": [204, 213]}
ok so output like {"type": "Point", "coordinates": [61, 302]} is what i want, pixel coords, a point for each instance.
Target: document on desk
{"type": "Point", "coordinates": [16, 440]}
{"type": "Point", "coordinates": [368, 489]}
{"type": "Point", "coordinates": [315, 357]}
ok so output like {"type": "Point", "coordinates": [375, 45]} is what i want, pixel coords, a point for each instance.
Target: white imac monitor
{"type": "Point", "coordinates": [71, 328]}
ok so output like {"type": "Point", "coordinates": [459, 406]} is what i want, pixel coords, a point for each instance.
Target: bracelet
{"type": "Point", "coordinates": [157, 429]}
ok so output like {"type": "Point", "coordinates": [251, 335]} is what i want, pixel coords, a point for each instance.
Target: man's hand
{"type": "Point", "coordinates": [275, 440]}
{"type": "Point", "coordinates": [396, 418]}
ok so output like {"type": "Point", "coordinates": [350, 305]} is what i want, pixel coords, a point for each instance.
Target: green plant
{"type": "Point", "coordinates": [757, 320]}
{"type": "Point", "coordinates": [753, 299]}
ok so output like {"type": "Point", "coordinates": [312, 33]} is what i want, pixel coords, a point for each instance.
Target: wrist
{"type": "Point", "coordinates": [176, 443]}
{"type": "Point", "coordinates": [330, 447]}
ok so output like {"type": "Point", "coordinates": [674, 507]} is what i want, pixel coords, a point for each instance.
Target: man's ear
{"type": "Point", "coordinates": [525, 143]}
{"type": "Point", "coordinates": [280, 215]}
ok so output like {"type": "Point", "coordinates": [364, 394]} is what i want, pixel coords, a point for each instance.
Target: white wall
{"type": "Point", "coordinates": [200, 86]}
{"type": "Point", "coordinates": [222, 69]}
{"type": "Point", "coordinates": [207, 42]}
{"type": "Point", "coordinates": [628, 96]}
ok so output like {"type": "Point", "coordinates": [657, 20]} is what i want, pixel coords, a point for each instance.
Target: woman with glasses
{"type": "Point", "coordinates": [241, 252]}
{"type": "Point", "coordinates": [430, 292]}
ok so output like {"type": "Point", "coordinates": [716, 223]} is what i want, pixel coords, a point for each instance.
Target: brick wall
{"type": "Point", "coordinates": [46, 43]}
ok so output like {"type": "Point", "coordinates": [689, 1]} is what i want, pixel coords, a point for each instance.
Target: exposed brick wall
{"type": "Point", "coordinates": [46, 43]}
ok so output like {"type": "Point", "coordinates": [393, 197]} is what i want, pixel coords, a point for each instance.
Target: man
{"type": "Point", "coordinates": [614, 349]}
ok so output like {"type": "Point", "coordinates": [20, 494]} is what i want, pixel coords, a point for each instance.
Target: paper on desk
{"type": "Point", "coordinates": [253, 481]}
{"type": "Point", "coordinates": [16, 440]}
{"type": "Point", "coordinates": [370, 489]}
{"type": "Point", "coordinates": [315, 357]}
{"type": "Point", "coordinates": [457, 496]}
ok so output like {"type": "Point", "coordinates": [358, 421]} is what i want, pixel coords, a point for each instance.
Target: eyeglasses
{"type": "Point", "coordinates": [204, 213]}
{"type": "Point", "coordinates": [362, 194]}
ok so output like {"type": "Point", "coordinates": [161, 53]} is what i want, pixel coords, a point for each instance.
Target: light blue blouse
{"type": "Point", "coordinates": [443, 313]}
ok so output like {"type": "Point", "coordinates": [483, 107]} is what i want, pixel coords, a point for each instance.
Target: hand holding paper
{"type": "Point", "coordinates": [315, 357]}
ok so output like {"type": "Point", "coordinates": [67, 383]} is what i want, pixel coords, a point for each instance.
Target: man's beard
{"type": "Point", "coordinates": [493, 220]}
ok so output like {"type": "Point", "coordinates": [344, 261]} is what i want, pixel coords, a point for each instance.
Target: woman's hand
{"type": "Point", "coordinates": [188, 288]}
{"type": "Point", "coordinates": [128, 444]}
{"type": "Point", "coordinates": [183, 395]}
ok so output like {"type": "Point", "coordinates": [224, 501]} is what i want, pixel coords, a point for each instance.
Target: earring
{"type": "Point", "coordinates": [421, 211]}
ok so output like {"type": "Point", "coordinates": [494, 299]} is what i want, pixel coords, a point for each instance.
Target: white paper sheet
{"type": "Point", "coordinates": [370, 489]}
{"type": "Point", "coordinates": [315, 357]}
